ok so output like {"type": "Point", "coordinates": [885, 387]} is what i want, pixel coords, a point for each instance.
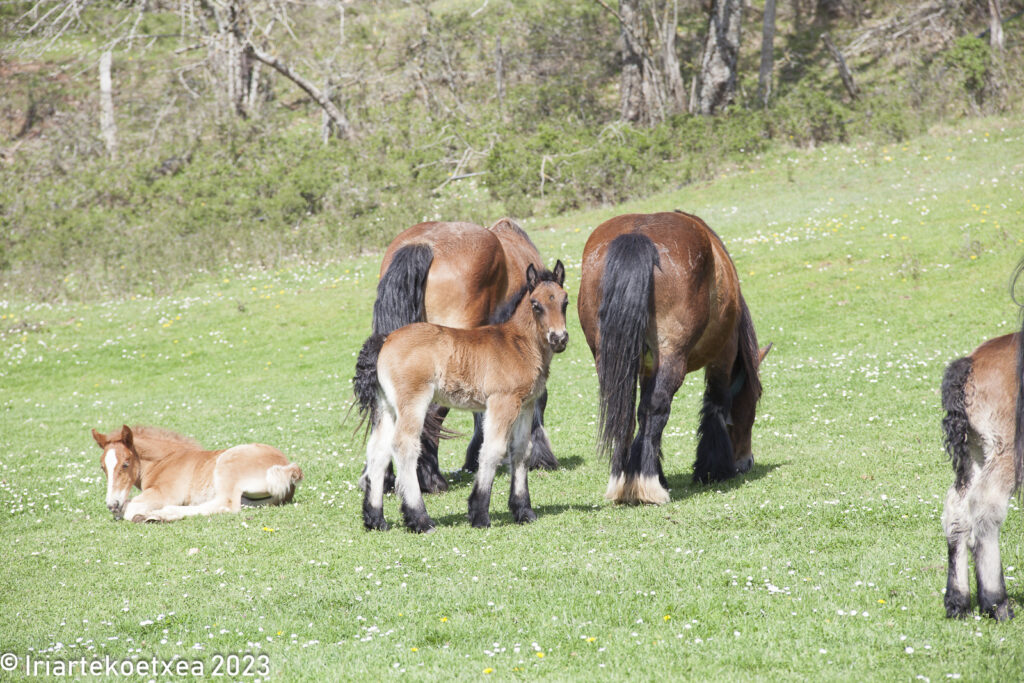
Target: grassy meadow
{"type": "Point", "coordinates": [869, 266]}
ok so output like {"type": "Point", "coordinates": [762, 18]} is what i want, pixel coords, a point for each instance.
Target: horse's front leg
{"type": "Point", "coordinates": [521, 445]}
{"type": "Point", "coordinates": [141, 505]}
{"type": "Point", "coordinates": [173, 513]}
{"type": "Point", "coordinates": [501, 413]}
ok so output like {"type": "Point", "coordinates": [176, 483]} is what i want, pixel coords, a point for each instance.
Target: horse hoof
{"type": "Point", "coordinates": [1001, 612]}
{"type": "Point", "coordinates": [139, 518]}
{"type": "Point", "coordinates": [375, 523]}
{"type": "Point", "coordinates": [524, 516]}
{"type": "Point", "coordinates": [434, 484]}
{"type": "Point", "coordinates": [480, 521]}
{"type": "Point", "coordinates": [958, 606]}
{"type": "Point", "coordinates": [422, 526]}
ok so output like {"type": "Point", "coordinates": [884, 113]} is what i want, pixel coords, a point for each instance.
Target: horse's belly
{"type": "Point", "coordinates": [461, 399]}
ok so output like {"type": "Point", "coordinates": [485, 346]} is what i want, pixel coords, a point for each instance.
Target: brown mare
{"type": "Point", "coordinates": [660, 298]}
{"type": "Point", "coordinates": [983, 395]}
{"type": "Point", "coordinates": [456, 275]}
{"type": "Point", "coordinates": [179, 479]}
{"type": "Point", "coordinates": [500, 369]}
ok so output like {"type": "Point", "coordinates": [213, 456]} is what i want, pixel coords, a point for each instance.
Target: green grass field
{"type": "Point", "coordinates": [869, 267]}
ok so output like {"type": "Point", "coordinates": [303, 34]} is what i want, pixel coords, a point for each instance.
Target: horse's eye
{"type": "Point", "coordinates": [124, 466]}
{"type": "Point", "coordinates": [537, 307]}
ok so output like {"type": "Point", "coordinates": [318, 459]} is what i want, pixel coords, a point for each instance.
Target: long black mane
{"type": "Point", "coordinates": [507, 308]}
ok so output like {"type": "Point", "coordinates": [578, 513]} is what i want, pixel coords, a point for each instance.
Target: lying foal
{"type": "Point", "coordinates": [179, 479]}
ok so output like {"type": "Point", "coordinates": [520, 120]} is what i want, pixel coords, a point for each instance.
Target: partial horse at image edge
{"type": "Point", "coordinates": [983, 430]}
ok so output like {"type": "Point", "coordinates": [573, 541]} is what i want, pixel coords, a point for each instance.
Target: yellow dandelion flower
{"type": "Point", "coordinates": [540, 655]}
{"type": "Point", "coordinates": [271, 530]}
{"type": "Point", "coordinates": [488, 670]}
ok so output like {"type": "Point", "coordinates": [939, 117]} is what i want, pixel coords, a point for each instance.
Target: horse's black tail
{"type": "Point", "coordinates": [401, 289]}
{"type": "Point", "coordinates": [626, 289]}
{"type": "Point", "coordinates": [365, 384]}
{"type": "Point", "coordinates": [955, 425]}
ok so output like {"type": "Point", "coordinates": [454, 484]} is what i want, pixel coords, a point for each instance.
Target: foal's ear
{"type": "Point", "coordinates": [126, 435]}
{"type": "Point", "coordinates": [531, 277]}
{"type": "Point", "coordinates": [559, 272]}
{"type": "Point", "coordinates": [100, 439]}
{"type": "Point", "coordinates": [762, 353]}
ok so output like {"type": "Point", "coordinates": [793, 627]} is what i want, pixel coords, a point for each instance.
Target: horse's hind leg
{"type": "Point", "coordinates": [644, 478]}
{"type": "Point", "coordinates": [378, 457]}
{"type": "Point", "coordinates": [987, 500]}
{"type": "Point", "coordinates": [956, 525]}
{"type": "Point", "coordinates": [542, 456]}
{"type": "Point", "coordinates": [520, 446]}
{"type": "Point", "coordinates": [472, 463]}
{"type": "Point", "coordinates": [408, 428]}
{"type": "Point", "coordinates": [428, 468]}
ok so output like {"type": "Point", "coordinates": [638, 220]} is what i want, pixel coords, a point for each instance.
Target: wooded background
{"type": "Point", "coordinates": [144, 142]}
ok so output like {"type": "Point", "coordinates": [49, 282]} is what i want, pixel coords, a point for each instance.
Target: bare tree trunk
{"type": "Point", "coordinates": [108, 128]}
{"type": "Point", "coordinates": [675, 89]}
{"type": "Point", "coordinates": [764, 77]}
{"type": "Point", "coordinates": [499, 78]}
{"type": "Point", "coordinates": [717, 85]}
{"type": "Point", "coordinates": [631, 89]}
{"type": "Point", "coordinates": [995, 34]}
{"type": "Point", "coordinates": [844, 72]}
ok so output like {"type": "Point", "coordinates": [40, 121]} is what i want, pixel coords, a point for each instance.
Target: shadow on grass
{"type": "Point", "coordinates": [504, 518]}
{"type": "Point", "coordinates": [459, 479]}
{"type": "Point", "coordinates": [683, 486]}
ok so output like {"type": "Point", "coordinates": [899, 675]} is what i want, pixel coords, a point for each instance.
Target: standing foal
{"type": "Point", "coordinates": [501, 369]}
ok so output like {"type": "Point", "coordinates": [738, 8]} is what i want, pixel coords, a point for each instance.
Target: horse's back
{"type": "Point", "coordinates": [695, 300]}
{"type": "Point", "coordinates": [520, 252]}
{"type": "Point", "coordinates": [467, 277]}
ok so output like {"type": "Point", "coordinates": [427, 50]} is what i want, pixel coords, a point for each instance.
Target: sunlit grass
{"type": "Point", "coordinates": [869, 267]}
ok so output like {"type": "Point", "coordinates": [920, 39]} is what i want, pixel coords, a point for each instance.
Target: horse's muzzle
{"type": "Point", "coordinates": [558, 341]}
{"type": "Point", "coordinates": [118, 510]}
{"type": "Point", "coordinates": [744, 465]}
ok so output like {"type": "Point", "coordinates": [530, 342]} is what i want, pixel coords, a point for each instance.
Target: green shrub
{"type": "Point", "coordinates": [807, 117]}
{"type": "Point", "coordinates": [972, 58]}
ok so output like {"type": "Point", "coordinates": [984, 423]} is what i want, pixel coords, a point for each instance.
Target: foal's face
{"type": "Point", "coordinates": [120, 463]}
{"type": "Point", "coordinates": [549, 301]}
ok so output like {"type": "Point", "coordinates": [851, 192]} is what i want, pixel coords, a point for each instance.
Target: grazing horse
{"type": "Point", "coordinates": [500, 369]}
{"type": "Point", "coordinates": [659, 298]}
{"type": "Point", "coordinates": [179, 479]}
{"type": "Point", "coordinates": [455, 274]}
{"type": "Point", "coordinates": [983, 396]}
